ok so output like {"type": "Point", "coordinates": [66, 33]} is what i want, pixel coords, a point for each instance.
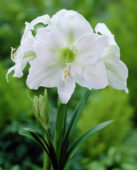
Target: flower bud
{"type": "Point", "coordinates": [41, 109]}
{"type": "Point", "coordinates": [36, 105]}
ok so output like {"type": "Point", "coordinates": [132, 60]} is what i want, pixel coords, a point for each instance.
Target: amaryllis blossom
{"type": "Point", "coordinates": [116, 70]}
{"type": "Point", "coordinates": [68, 52]}
{"type": "Point", "coordinates": [25, 51]}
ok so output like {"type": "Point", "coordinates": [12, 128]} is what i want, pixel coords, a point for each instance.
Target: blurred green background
{"type": "Point", "coordinates": [115, 148]}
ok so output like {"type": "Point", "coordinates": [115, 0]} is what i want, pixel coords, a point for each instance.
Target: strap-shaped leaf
{"type": "Point", "coordinates": [47, 146]}
{"type": "Point", "coordinates": [76, 115]}
{"type": "Point", "coordinates": [72, 125]}
{"type": "Point", "coordinates": [24, 132]}
{"type": "Point", "coordinates": [74, 147]}
{"type": "Point", "coordinates": [27, 132]}
{"type": "Point", "coordinates": [52, 153]}
{"type": "Point", "coordinates": [60, 127]}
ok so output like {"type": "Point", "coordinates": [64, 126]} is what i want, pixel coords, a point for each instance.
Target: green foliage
{"type": "Point", "coordinates": [17, 152]}
{"type": "Point", "coordinates": [28, 154]}
{"type": "Point", "coordinates": [123, 26]}
{"type": "Point", "coordinates": [14, 101]}
{"type": "Point", "coordinates": [61, 149]}
{"type": "Point", "coordinates": [109, 104]}
{"type": "Point", "coordinates": [120, 17]}
{"type": "Point", "coordinates": [118, 158]}
{"type": "Point", "coordinates": [13, 16]}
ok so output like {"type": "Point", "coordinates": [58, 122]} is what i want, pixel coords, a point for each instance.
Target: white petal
{"type": "Point", "coordinates": [77, 74]}
{"type": "Point", "coordinates": [19, 60]}
{"type": "Point", "coordinates": [47, 41]}
{"type": "Point", "coordinates": [26, 46]}
{"type": "Point", "coordinates": [103, 29]}
{"type": "Point", "coordinates": [56, 17]}
{"type": "Point", "coordinates": [18, 69]}
{"type": "Point", "coordinates": [90, 49]}
{"type": "Point", "coordinates": [20, 63]}
{"type": "Point", "coordinates": [8, 72]}
{"type": "Point", "coordinates": [96, 76]}
{"type": "Point", "coordinates": [117, 75]}
{"type": "Point", "coordinates": [111, 52]}
{"type": "Point", "coordinates": [43, 74]}
{"type": "Point", "coordinates": [44, 19]}
{"type": "Point", "coordinates": [116, 70]}
{"type": "Point", "coordinates": [71, 24]}
{"type": "Point", "coordinates": [87, 70]}
{"type": "Point", "coordinates": [65, 90]}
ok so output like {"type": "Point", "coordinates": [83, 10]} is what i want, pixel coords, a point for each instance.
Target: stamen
{"type": "Point", "coordinates": [13, 53]}
{"type": "Point", "coordinates": [67, 71]}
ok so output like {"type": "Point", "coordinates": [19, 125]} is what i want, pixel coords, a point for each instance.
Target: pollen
{"type": "Point", "coordinates": [13, 54]}
{"type": "Point", "coordinates": [66, 73]}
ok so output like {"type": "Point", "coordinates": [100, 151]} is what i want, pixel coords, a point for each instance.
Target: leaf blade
{"type": "Point", "coordinates": [89, 133]}
{"type": "Point", "coordinates": [72, 126]}
{"type": "Point", "coordinates": [46, 145]}
{"type": "Point", "coordinates": [60, 127]}
{"type": "Point", "coordinates": [77, 114]}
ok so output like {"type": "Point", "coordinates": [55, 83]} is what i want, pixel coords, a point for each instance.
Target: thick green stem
{"type": "Point", "coordinates": [60, 128]}
{"type": "Point", "coordinates": [46, 163]}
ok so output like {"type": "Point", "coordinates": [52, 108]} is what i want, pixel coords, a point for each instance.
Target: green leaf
{"type": "Point", "coordinates": [76, 115]}
{"type": "Point", "coordinates": [25, 132]}
{"type": "Point", "coordinates": [52, 153]}
{"type": "Point", "coordinates": [74, 147]}
{"type": "Point", "coordinates": [60, 127]}
{"type": "Point", "coordinates": [47, 146]}
{"type": "Point", "coordinates": [72, 125]}
{"type": "Point", "coordinates": [34, 135]}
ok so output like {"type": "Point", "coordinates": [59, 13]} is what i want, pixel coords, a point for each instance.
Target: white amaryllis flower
{"type": "Point", "coordinates": [68, 52]}
{"type": "Point", "coordinates": [25, 52]}
{"type": "Point", "coordinates": [116, 70]}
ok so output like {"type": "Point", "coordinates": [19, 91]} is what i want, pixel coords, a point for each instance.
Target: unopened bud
{"type": "Point", "coordinates": [41, 109]}
{"type": "Point", "coordinates": [36, 105]}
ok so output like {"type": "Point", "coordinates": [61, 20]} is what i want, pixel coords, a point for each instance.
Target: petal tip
{"type": "Point", "coordinates": [126, 90]}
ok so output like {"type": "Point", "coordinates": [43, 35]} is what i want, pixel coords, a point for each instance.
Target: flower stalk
{"type": "Point", "coordinates": [60, 128]}
{"type": "Point", "coordinates": [41, 111]}
{"type": "Point", "coordinates": [46, 161]}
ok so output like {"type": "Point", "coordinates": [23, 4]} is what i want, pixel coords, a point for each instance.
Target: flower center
{"type": "Point", "coordinates": [67, 54]}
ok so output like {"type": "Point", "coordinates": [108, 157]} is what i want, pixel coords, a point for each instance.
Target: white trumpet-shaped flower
{"type": "Point", "coordinates": [25, 52]}
{"type": "Point", "coordinates": [68, 52]}
{"type": "Point", "coordinates": [116, 70]}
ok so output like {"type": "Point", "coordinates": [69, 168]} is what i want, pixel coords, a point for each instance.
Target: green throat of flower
{"type": "Point", "coordinates": [67, 55]}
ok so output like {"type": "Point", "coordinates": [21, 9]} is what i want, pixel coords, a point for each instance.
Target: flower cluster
{"type": "Point", "coordinates": [67, 51]}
